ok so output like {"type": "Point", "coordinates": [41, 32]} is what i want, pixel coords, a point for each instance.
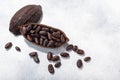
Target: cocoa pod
{"type": "Point", "coordinates": [27, 14]}
{"type": "Point", "coordinates": [44, 35]}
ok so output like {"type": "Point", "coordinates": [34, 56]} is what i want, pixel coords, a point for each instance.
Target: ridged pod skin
{"type": "Point", "coordinates": [27, 14]}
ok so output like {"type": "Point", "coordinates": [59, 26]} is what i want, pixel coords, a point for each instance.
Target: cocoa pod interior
{"type": "Point", "coordinates": [43, 35]}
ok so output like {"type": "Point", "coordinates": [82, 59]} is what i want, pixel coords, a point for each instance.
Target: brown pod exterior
{"type": "Point", "coordinates": [43, 35]}
{"type": "Point", "coordinates": [27, 14]}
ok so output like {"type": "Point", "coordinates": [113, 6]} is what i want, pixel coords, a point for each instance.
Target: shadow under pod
{"type": "Point", "coordinates": [45, 50]}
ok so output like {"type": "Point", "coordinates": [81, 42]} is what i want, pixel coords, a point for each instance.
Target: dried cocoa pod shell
{"type": "Point", "coordinates": [43, 35]}
{"type": "Point", "coordinates": [27, 14]}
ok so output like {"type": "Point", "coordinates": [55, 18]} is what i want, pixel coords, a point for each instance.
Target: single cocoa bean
{"type": "Point", "coordinates": [58, 64]}
{"type": "Point", "coordinates": [75, 48]}
{"type": "Point", "coordinates": [49, 55]}
{"type": "Point", "coordinates": [51, 69]}
{"type": "Point", "coordinates": [69, 47]}
{"type": "Point", "coordinates": [79, 63]}
{"type": "Point", "coordinates": [80, 51]}
{"type": "Point", "coordinates": [64, 54]}
{"type": "Point", "coordinates": [32, 54]}
{"type": "Point", "coordinates": [55, 58]}
{"type": "Point", "coordinates": [8, 45]}
{"type": "Point", "coordinates": [17, 48]}
{"type": "Point", "coordinates": [87, 59]}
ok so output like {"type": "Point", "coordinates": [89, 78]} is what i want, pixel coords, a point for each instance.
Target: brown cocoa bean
{"type": "Point", "coordinates": [64, 54]}
{"type": "Point", "coordinates": [80, 51]}
{"type": "Point", "coordinates": [75, 48]}
{"type": "Point", "coordinates": [49, 55]}
{"type": "Point", "coordinates": [69, 47]}
{"type": "Point", "coordinates": [51, 69]}
{"type": "Point", "coordinates": [32, 54]}
{"type": "Point", "coordinates": [87, 59]}
{"type": "Point", "coordinates": [55, 58]}
{"type": "Point", "coordinates": [8, 45]}
{"type": "Point", "coordinates": [36, 40]}
{"type": "Point", "coordinates": [79, 63]}
{"type": "Point", "coordinates": [17, 48]}
{"type": "Point", "coordinates": [29, 38]}
{"type": "Point", "coordinates": [58, 64]}
{"type": "Point", "coordinates": [36, 59]}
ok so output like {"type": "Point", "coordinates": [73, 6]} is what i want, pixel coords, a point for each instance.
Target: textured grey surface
{"type": "Point", "coordinates": [93, 25]}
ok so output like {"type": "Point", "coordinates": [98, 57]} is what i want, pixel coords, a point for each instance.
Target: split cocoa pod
{"type": "Point", "coordinates": [43, 35]}
{"type": "Point", "coordinates": [25, 21]}
{"type": "Point", "coordinates": [27, 14]}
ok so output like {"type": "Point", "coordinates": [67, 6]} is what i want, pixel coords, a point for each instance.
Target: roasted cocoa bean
{"type": "Point", "coordinates": [79, 63]}
{"type": "Point", "coordinates": [32, 31]}
{"type": "Point", "coordinates": [36, 59]}
{"type": "Point", "coordinates": [17, 48]}
{"type": "Point", "coordinates": [55, 39]}
{"type": "Point", "coordinates": [45, 43]}
{"type": "Point", "coordinates": [34, 35]}
{"type": "Point", "coordinates": [43, 33]}
{"type": "Point", "coordinates": [64, 54]}
{"type": "Point", "coordinates": [55, 58]}
{"type": "Point", "coordinates": [29, 37]}
{"type": "Point", "coordinates": [51, 69]}
{"type": "Point", "coordinates": [62, 38]}
{"type": "Point", "coordinates": [41, 41]}
{"type": "Point", "coordinates": [87, 59]}
{"type": "Point", "coordinates": [37, 40]}
{"type": "Point", "coordinates": [58, 64]}
{"type": "Point", "coordinates": [56, 34]}
{"type": "Point", "coordinates": [38, 29]}
{"type": "Point", "coordinates": [49, 36]}
{"type": "Point", "coordinates": [45, 29]}
{"type": "Point", "coordinates": [75, 48]}
{"type": "Point", "coordinates": [49, 55]}
{"type": "Point", "coordinates": [69, 47]}
{"type": "Point", "coordinates": [80, 51]}
{"type": "Point", "coordinates": [29, 27]}
{"type": "Point", "coordinates": [8, 45]}
{"type": "Point", "coordinates": [51, 43]}
{"type": "Point", "coordinates": [33, 54]}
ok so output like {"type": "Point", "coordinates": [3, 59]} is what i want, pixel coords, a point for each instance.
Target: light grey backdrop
{"type": "Point", "coordinates": [93, 25]}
